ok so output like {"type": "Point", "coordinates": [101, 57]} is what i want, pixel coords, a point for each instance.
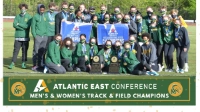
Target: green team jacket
{"type": "Point", "coordinates": [39, 25]}
{"type": "Point", "coordinates": [78, 53]}
{"type": "Point", "coordinates": [94, 31]}
{"type": "Point", "coordinates": [144, 30]}
{"type": "Point", "coordinates": [101, 52]}
{"type": "Point", "coordinates": [130, 59]}
{"type": "Point", "coordinates": [170, 38]}
{"type": "Point", "coordinates": [115, 52]}
{"type": "Point", "coordinates": [50, 23]}
{"type": "Point", "coordinates": [156, 34]}
{"type": "Point", "coordinates": [53, 53]}
{"type": "Point", "coordinates": [66, 53]}
{"type": "Point", "coordinates": [23, 27]}
{"type": "Point", "coordinates": [95, 50]}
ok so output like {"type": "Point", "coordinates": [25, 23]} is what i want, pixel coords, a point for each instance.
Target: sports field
{"type": "Point", "coordinates": [8, 43]}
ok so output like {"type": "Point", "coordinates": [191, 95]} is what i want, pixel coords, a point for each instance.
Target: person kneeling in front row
{"type": "Point", "coordinates": [53, 61]}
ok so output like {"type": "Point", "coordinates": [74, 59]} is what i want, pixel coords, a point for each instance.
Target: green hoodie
{"type": "Point", "coordinates": [23, 27]}
{"type": "Point", "coordinates": [170, 37]}
{"type": "Point", "coordinates": [53, 53]}
{"type": "Point", "coordinates": [39, 25]}
{"type": "Point", "coordinates": [51, 23]}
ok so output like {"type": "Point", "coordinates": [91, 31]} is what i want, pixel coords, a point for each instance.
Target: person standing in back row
{"type": "Point", "coordinates": [39, 28]}
{"type": "Point", "coordinates": [21, 24]}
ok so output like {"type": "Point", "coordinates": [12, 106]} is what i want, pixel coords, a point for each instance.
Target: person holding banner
{"type": "Point", "coordinates": [39, 27]}
{"type": "Point", "coordinates": [66, 54]}
{"type": "Point", "coordinates": [141, 28]}
{"type": "Point", "coordinates": [105, 56]}
{"type": "Point", "coordinates": [101, 15]}
{"type": "Point", "coordinates": [93, 50]}
{"type": "Point", "coordinates": [53, 61]}
{"type": "Point", "coordinates": [78, 18]}
{"type": "Point", "coordinates": [119, 19]}
{"type": "Point", "coordinates": [94, 21]}
{"type": "Point", "coordinates": [131, 25]}
{"type": "Point", "coordinates": [168, 34]}
{"type": "Point", "coordinates": [135, 47]}
{"type": "Point", "coordinates": [182, 44]}
{"type": "Point", "coordinates": [128, 60]}
{"type": "Point", "coordinates": [149, 58]}
{"type": "Point", "coordinates": [84, 14]}
{"type": "Point", "coordinates": [71, 12]}
{"type": "Point", "coordinates": [81, 55]}
{"type": "Point", "coordinates": [118, 50]}
{"type": "Point", "coordinates": [22, 23]}
{"type": "Point", "coordinates": [113, 18]}
{"type": "Point", "coordinates": [62, 16]}
{"type": "Point", "coordinates": [155, 31]}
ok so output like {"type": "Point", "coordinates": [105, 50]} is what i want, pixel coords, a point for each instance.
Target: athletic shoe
{"type": "Point", "coordinates": [177, 69]}
{"type": "Point", "coordinates": [154, 73]}
{"type": "Point", "coordinates": [104, 73]}
{"type": "Point", "coordinates": [171, 70]}
{"type": "Point", "coordinates": [159, 68]}
{"type": "Point", "coordinates": [45, 69]}
{"type": "Point", "coordinates": [148, 73]}
{"type": "Point", "coordinates": [24, 65]}
{"type": "Point", "coordinates": [186, 67]}
{"type": "Point", "coordinates": [181, 71]}
{"type": "Point", "coordinates": [166, 70]}
{"type": "Point", "coordinates": [78, 70]}
{"type": "Point", "coordinates": [163, 67]}
{"type": "Point", "coordinates": [34, 68]}
{"type": "Point", "coordinates": [12, 65]}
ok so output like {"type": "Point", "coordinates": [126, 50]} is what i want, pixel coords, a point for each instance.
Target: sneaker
{"type": "Point", "coordinates": [11, 65]}
{"type": "Point", "coordinates": [160, 68]}
{"type": "Point", "coordinates": [171, 70]}
{"type": "Point", "coordinates": [186, 67]}
{"type": "Point", "coordinates": [78, 70]}
{"type": "Point", "coordinates": [163, 67]}
{"type": "Point", "coordinates": [148, 73]}
{"type": "Point", "coordinates": [177, 69]}
{"type": "Point", "coordinates": [34, 68]}
{"type": "Point", "coordinates": [154, 73]}
{"type": "Point", "coordinates": [24, 65]}
{"type": "Point", "coordinates": [181, 71]}
{"type": "Point", "coordinates": [45, 69]}
{"type": "Point", "coordinates": [104, 73]}
{"type": "Point", "coordinates": [166, 70]}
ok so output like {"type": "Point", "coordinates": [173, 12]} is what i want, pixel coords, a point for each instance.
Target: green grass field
{"type": "Point", "coordinates": [8, 43]}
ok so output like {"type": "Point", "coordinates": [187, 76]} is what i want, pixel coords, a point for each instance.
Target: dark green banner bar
{"type": "Point", "coordinates": [97, 90]}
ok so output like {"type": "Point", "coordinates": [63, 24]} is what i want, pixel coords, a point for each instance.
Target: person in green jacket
{"type": "Point", "coordinates": [147, 18]}
{"type": "Point", "coordinates": [66, 54]}
{"type": "Point", "coordinates": [113, 18]}
{"type": "Point", "coordinates": [39, 29]}
{"type": "Point", "coordinates": [141, 28]}
{"type": "Point", "coordinates": [81, 55]}
{"type": "Point", "coordinates": [101, 15]}
{"type": "Point", "coordinates": [128, 59]}
{"type": "Point", "coordinates": [105, 56]}
{"type": "Point", "coordinates": [94, 26]}
{"type": "Point", "coordinates": [21, 24]}
{"type": "Point", "coordinates": [118, 50]}
{"type": "Point", "coordinates": [157, 39]}
{"type": "Point", "coordinates": [93, 50]}
{"type": "Point", "coordinates": [50, 16]}
{"type": "Point", "coordinates": [53, 61]}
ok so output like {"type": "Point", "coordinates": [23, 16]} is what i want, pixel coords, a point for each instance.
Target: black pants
{"type": "Point", "coordinates": [81, 64]}
{"type": "Point", "coordinates": [65, 63]}
{"type": "Point", "coordinates": [148, 67]}
{"type": "Point", "coordinates": [168, 52]}
{"type": "Point", "coordinates": [181, 56]}
{"type": "Point", "coordinates": [186, 59]}
{"type": "Point", "coordinates": [53, 68]}
{"type": "Point", "coordinates": [159, 52]}
{"type": "Point", "coordinates": [17, 45]}
{"type": "Point", "coordinates": [139, 70]}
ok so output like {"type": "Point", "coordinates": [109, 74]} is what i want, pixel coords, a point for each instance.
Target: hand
{"type": "Point", "coordinates": [63, 20]}
{"type": "Point", "coordinates": [83, 17]}
{"type": "Point", "coordinates": [89, 66]}
{"type": "Point", "coordinates": [102, 65]}
{"type": "Point", "coordinates": [185, 49]}
{"type": "Point", "coordinates": [17, 24]}
{"type": "Point", "coordinates": [58, 64]}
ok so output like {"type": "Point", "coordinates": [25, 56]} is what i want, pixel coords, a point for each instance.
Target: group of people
{"type": "Point", "coordinates": [150, 37]}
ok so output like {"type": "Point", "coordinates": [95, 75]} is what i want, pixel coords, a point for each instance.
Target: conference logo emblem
{"type": "Point", "coordinates": [175, 89]}
{"type": "Point", "coordinates": [113, 30]}
{"type": "Point", "coordinates": [18, 89]}
{"type": "Point", "coordinates": [41, 85]}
